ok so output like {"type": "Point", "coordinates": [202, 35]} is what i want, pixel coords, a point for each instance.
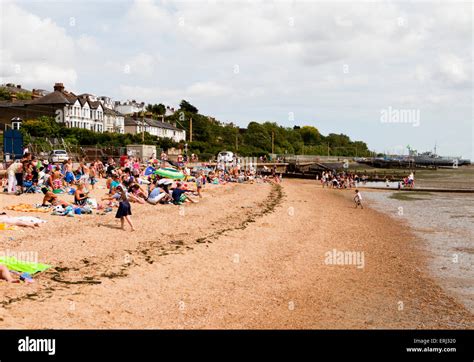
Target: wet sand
{"type": "Point", "coordinates": [246, 256]}
{"type": "Point", "coordinates": [445, 222]}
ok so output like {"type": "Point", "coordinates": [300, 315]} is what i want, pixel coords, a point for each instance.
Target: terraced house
{"type": "Point", "coordinates": [137, 125]}
{"type": "Point", "coordinates": [81, 111]}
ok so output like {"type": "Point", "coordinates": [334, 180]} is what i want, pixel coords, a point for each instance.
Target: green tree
{"type": "Point", "coordinates": [310, 135]}
{"type": "Point", "coordinates": [4, 94]}
{"type": "Point", "coordinates": [188, 107]}
{"type": "Point", "coordinates": [23, 95]}
{"type": "Point", "coordinates": [156, 109]}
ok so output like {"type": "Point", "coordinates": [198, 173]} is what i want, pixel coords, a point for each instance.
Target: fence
{"type": "Point", "coordinates": [312, 158]}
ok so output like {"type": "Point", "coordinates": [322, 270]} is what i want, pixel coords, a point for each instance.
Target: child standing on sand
{"type": "Point", "coordinates": [358, 199]}
{"type": "Point", "coordinates": [199, 182]}
{"type": "Point", "coordinates": [125, 210]}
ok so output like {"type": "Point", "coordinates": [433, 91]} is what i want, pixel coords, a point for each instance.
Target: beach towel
{"type": "Point", "coordinates": [25, 208]}
{"type": "Point", "coordinates": [23, 266]}
{"type": "Point", "coordinates": [5, 226]}
{"type": "Point", "coordinates": [31, 219]}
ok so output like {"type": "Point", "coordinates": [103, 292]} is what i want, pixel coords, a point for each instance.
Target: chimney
{"type": "Point", "coordinates": [59, 87]}
{"type": "Point", "coordinates": [18, 86]}
{"type": "Point", "coordinates": [34, 94]}
{"type": "Point", "coordinates": [13, 97]}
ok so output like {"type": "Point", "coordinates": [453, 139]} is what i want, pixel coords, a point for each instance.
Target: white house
{"type": "Point", "coordinates": [114, 121]}
{"type": "Point", "coordinates": [169, 111]}
{"type": "Point", "coordinates": [155, 128]}
{"type": "Point", "coordinates": [107, 102]}
{"type": "Point", "coordinates": [129, 107]}
{"type": "Point", "coordinates": [86, 114]}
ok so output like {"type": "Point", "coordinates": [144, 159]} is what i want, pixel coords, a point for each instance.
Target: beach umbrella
{"type": "Point", "coordinates": [149, 170]}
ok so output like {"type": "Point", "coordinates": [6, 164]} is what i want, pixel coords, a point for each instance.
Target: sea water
{"type": "Point", "coordinates": [445, 221]}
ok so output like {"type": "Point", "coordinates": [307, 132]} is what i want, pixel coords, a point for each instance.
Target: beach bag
{"type": "Point", "coordinates": [92, 203]}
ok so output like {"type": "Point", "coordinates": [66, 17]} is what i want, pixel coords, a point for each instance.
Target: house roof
{"type": "Point", "coordinates": [20, 103]}
{"type": "Point", "coordinates": [160, 124]}
{"type": "Point", "coordinates": [14, 88]}
{"type": "Point", "coordinates": [112, 112]}
{"type": "Point", "coordinates": [83, 101]}
{"type": "Point", "coordinates": [55, 97]}
{"type": "Point", "coordinates": [95, 104]}
{"type": "Point", "coordinates": [129, 121]}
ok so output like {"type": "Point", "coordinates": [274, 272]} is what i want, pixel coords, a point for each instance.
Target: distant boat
{"type": "Point", "coordinates": [432, 159]}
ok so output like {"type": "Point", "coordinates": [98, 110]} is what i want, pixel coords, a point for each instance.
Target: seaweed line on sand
{"type": "Point", "coordinates": [275, 197]}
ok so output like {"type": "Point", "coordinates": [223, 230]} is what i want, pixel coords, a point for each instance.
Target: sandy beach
{"type": "Point", "coordinates": [245, 256]}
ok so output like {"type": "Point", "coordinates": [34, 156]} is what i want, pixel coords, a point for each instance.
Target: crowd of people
{"type": "Point", "coordinates": [348, 180]}
{"type": "Point", "coordinates": [341, 180]}
{"type": "Point", "coordinates": [127, 181]}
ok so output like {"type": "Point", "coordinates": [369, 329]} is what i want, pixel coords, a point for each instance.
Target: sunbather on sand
{"type": "Point", "coordinates": [179, 195]}
{"type": "Point", "coordinates": [137, 194]}
{"type": "Point", "coordinates": [80, 196]}
{"type": "Point", "coordinates": [158, 195]}
{"type": "Point", "coordinates": [6, 275]}
{"type": "Point", "coordinates": [51, 198]}
{"type": "Point", "coordinates": [18, 222]}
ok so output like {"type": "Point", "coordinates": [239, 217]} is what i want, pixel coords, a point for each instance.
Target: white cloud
{"type": "Point", "coordinates": [208, 89]}
{"type": "Point", "coordinates": [194, 91]}
{"type": "Point", "coordinates": [454, 70]}
{"type": "Point", "coordinates": [37, 52]}
{"type": "Point", "coordinates": [291, 56]}
{"type": "Point", "coordinates": [139, 65]}
{"type": "Point", "coordinates": [88, 44]}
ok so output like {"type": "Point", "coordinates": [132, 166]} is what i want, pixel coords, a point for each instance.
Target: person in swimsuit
{"type": "Point", "coordinates": [80, 196]}
{"type": "Point", "coordinates": [135, 194]}
{"type": "Point", "coordinates": [51, 198]}
{"type": "Point", "coordinates": [55, 181]}
{"type": "Point", "coordinates": [69, 175]}
{"type": "Point", "coordinates": [93, 175]}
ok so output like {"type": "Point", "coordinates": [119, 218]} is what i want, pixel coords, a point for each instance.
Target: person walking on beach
{"type": "Point", "coordinates": [13, 170]}
{"type": "Point", "coordinates": [124, 211]}
{"type": "Point", "coordinates": [358, 199]}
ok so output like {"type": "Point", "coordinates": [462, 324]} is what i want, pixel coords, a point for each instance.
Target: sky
{"type": "Point", "coordinates": [391, 74]}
